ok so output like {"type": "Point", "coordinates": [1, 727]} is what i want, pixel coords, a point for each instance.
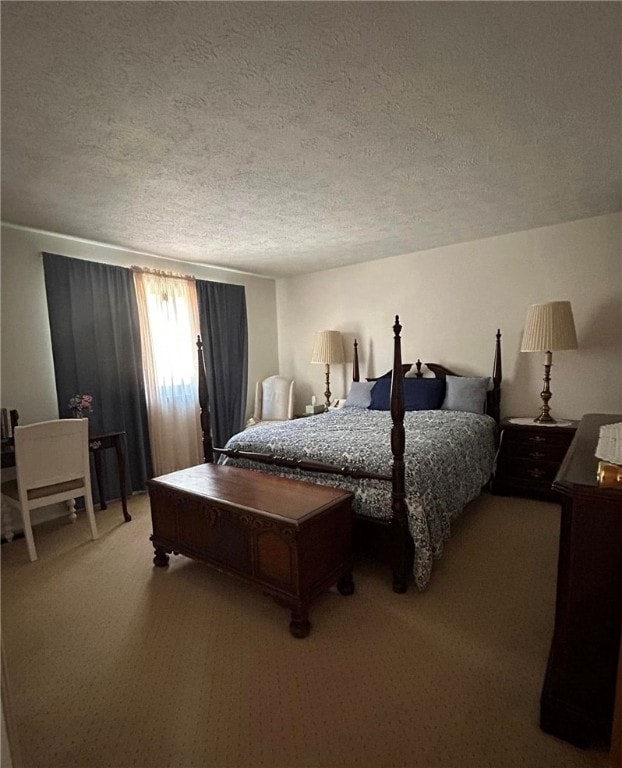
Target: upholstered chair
{"type": "Point", "coordinates": [274, 400]}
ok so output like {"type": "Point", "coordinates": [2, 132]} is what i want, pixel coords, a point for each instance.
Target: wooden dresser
{"type": "Point", "coordinates": [529, 457]}
{"type": "Point", "coordinates": [579, 689]}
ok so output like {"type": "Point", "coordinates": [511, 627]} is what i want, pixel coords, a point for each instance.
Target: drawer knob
{"type": "Point", "coordinates": [537, 439]}
{"type": "Point", "coordinates": [535, 472]}
{"type": "Point", "coordinates": [537, 455]}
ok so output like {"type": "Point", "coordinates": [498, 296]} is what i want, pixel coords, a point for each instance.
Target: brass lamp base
{"type": "Point", "coordinates": [327, 392]}
{"type": "Point", "coordinates": [544, 417]}
{"type": "Point", "coordinates": [545, 412]}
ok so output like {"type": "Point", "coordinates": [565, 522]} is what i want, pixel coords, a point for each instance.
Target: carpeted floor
{"type": "Point", "coordinates": [112, 663]}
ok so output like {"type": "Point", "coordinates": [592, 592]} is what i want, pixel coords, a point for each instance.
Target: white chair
{"type": "Point", "coordinates": [274, 400]}
{"type": "Point", "coordinates": [52, 465]}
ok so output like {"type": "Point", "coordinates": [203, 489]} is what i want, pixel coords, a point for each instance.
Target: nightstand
{"type": "Point", "coordinates": [529, 457]}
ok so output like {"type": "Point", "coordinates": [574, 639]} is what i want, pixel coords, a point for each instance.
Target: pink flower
{"type": "Point", "coordinates": [79, 403]}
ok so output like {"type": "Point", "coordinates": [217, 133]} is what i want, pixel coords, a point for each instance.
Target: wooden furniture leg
{"type": "Point", "coordinates": [121, 464]}
{"type": "Point", "coordinates": [161, 557]}
{"type": "Point", "coordinates": [300, 626]}
{"type": "Point", "coordinates": [99, 476]}
{"type": "Point", "coordinates": [7, 523]}
{"type": "Point", "coordinates": [402, 555]}
{"type": "Point", "coordinates": [345, 585]}
{"type": "Point", "coordinates": [71, 509]}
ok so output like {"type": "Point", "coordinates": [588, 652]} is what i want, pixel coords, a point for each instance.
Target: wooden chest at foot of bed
{"type": "Point", "coordinates": [291, 538]}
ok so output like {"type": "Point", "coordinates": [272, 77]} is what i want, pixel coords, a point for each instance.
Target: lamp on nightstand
{"type": "Point", "coordinates": [548, 327]}
{"type": "Point", "coordinates": [327, 349]}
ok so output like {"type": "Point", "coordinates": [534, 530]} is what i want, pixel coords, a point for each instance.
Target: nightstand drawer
{"type": "Point", "coordinates": [544, 439]}
{"type": "Point", "coordinates": [537, 447]}
{"type": "Point", "coordinates": [528, 471]}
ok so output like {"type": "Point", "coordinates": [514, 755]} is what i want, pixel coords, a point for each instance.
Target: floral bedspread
{"type": "Point", "coordinates": [449, 457]}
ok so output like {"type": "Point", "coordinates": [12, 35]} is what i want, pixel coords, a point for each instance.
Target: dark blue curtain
{"type": "Point", "coordinates": [224, 331]}
{"type": "Point", "coordinates": [96, 348]}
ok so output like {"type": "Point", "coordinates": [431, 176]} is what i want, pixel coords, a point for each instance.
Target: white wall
{"type": "Point", "coordinates": [451, 301]}
{"type": "Point", "coordinates": [27, 375]}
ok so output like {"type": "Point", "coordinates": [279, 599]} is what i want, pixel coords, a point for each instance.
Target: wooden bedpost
{"type": "Point", "coordinates": [402, 541]}
{"type": "Point", "coordinates": [497, 375]}
{"type": "Point", "coordinates": [355, 362]}
{"type": "Point", "coordinates": [206, 426]}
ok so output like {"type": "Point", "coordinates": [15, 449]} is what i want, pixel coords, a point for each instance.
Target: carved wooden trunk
{"type": "Point", "coordinates": [291, 538]}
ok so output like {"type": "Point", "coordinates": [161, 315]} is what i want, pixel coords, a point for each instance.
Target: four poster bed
{"type": "Point", "coordinates": [412, 449]}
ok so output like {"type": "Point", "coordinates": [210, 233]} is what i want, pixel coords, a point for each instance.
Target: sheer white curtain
{"type": "Point", "coordinates": [169, 326]}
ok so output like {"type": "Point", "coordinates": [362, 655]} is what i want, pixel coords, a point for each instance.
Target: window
{"type": "Point", "coordinates": [169, 325]}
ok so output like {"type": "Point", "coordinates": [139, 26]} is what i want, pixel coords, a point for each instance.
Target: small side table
{"type": "Point", "coordinates": [529, 456]}
{"type": "Point", "coordinates": [102, 442]}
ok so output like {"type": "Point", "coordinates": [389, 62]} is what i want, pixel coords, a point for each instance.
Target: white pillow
{"type": "Point", "coordinates": [359, 395]}
{"type": "Point", "coordinates": [466, 393]}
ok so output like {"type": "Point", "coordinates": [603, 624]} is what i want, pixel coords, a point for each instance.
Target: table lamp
{"type": "Point", "coordinates": [549, 327]}
{"type": "Point", "coordinates": [327, 349]}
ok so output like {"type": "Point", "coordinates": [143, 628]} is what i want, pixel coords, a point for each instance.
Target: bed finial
{"type": "Point", "coordinates": [355, 362]}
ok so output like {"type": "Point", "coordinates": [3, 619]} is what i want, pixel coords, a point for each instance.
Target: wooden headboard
{"type": "Point", "coordinates": [493, 397]}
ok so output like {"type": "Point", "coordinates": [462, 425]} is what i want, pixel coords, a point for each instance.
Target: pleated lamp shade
{"type": "Point", "coordinates": [549, 327]}
{"type": "Point", "coordinates": [327, 347]}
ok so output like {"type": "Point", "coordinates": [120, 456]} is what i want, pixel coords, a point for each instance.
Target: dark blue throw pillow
{"type": "Point", "coordinates": [419, 394]}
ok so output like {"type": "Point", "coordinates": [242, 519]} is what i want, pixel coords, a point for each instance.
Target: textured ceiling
{"type": "Point", "coordinates": [282, 138]}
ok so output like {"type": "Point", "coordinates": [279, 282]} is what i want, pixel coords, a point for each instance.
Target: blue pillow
{"type": "Point", "coordinates": [466, 393]}
{"type": "Point", "coordinates": [419, 394]}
